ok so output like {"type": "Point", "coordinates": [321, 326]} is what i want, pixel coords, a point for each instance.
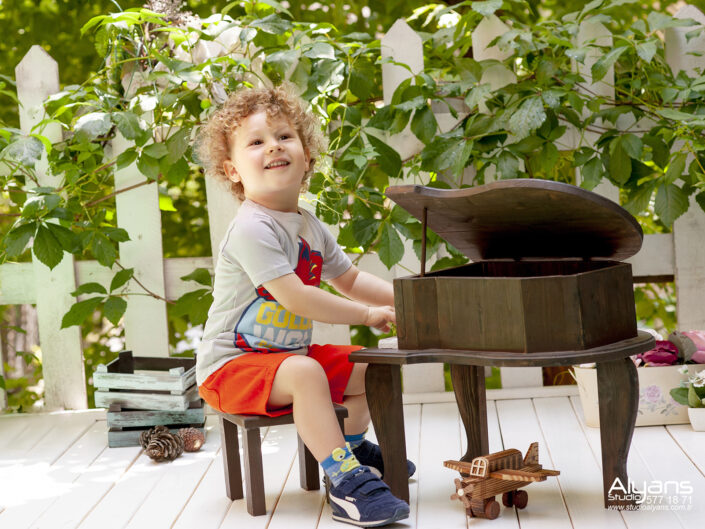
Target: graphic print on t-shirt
{"type": "Point", "coordinates": [266, 326]}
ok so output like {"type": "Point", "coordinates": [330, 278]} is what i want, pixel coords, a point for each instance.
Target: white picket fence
{"type": "Point", "coordinates": [680, 254]}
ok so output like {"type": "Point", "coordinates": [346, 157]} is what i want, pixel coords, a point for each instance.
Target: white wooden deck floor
{"type": "Point", "coordinates": [57, 472]}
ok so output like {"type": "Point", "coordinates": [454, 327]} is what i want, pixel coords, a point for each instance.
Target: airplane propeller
{"type": "Point", "coordinates": [463, 492]}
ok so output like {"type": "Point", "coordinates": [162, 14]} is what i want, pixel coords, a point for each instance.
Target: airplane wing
{"type": "Point", "coordinates": [460, 466]}
{"type": "Point", "coordinates": [518, 475]}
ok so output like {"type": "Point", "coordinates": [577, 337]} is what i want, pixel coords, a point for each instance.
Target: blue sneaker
{"type": "Point", "coordinates": [363, 499]}
{"type": "Point", "coordinates": [370, 455]}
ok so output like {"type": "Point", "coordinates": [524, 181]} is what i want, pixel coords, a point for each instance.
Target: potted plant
{"type": "Point", "coordinates": [691, 393]}
{"type": "Point", "coordinates": [658, 371]}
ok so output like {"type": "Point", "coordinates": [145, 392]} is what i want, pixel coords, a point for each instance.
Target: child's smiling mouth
{"type": "Point", "coordinates": [276, 163]}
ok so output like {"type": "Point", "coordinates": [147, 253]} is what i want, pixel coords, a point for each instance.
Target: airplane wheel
{"type": "Point", "coordinates": [508, 499]}
{"type": "Point", "coordinates": [491, 510]}
{"type": "Point", "coordinates": [521, 498]}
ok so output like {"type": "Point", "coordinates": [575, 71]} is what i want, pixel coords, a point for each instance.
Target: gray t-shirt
{"type": "Point", "coordinates": [260, 245]}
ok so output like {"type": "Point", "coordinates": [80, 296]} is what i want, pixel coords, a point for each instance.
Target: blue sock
{"type": "Point", "coordinates": [339, 463]}
{"type": "Point", "coordinates": [355, 440]}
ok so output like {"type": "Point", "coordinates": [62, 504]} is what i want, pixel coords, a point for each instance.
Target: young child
{"type": "Point", "coordinates": [256, 355]}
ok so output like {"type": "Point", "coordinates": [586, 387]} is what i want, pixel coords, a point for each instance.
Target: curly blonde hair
{"type": "Point", "coordinates": [214, 144]}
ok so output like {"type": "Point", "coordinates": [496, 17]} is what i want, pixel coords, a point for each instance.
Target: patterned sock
{"type": "Point", "coordinates": [338, 463]}
{"type": "Point", "coordinates": [355, 440]}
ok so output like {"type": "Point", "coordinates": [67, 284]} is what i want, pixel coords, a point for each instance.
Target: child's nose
{"type": "Point", "coordinates": [275, 146]}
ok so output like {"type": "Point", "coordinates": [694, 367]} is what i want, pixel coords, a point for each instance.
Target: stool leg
{"type": "Point", "coordinates": [308, 468]}
{"type": "Point", "coordinates": [254, 475]}
{"type": "Point", "coordinates": [231, 459]}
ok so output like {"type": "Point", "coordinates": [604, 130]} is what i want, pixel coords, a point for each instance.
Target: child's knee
{"type": "Point", "coordinates": [304, 369]}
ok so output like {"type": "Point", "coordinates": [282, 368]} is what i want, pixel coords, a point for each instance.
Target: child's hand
{"type": "Point", "coordinates": [380, 317]}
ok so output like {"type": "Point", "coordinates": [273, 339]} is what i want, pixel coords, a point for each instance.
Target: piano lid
{"type": "Point", "coordinates": [525, 218]}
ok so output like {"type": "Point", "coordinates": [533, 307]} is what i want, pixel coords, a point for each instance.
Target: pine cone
{"type": "Point", "coordinates": [164, 446]}
{"type": "Point", "coordinates": [147, 434]}
{"type": "Point", "coordinates": [193, 439]}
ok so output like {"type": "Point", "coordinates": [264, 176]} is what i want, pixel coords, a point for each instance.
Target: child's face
{"type": "Point", "coordinates": [268, 158]}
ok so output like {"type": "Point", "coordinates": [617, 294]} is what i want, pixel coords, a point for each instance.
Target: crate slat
{"type": "Point", "coordinates": [145, 381]}
{"type": "Point", "coordinates": [118, 418]}
{"type": "Point", "coordinates": [146, 401]}
{"type": "Point", "coordinates": [120, 438]}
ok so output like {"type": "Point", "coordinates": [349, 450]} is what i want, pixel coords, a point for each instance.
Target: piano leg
{"type": "Point", "coordinates": [469, 387]}
{"type": "Point", "coordinates": [383, 387]}
{"type": "Point", "coordinates": [618, 399]}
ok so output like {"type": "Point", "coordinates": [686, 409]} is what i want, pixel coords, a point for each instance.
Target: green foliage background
{"type": "Point", "coordinates": [146, 86]}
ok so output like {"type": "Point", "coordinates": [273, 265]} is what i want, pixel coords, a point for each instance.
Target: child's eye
{"type": "Point", "coordinates": [256, 142]}
{"type": "Point", "coordinates": [285, 136]}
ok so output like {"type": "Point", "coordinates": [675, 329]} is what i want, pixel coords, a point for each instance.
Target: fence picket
{"type": "Point", "coordinates": [138, 213]}
{"type": "Point", "coordinates": [37, 78]}
{"type": "Point", "coordinates": [689, 229]}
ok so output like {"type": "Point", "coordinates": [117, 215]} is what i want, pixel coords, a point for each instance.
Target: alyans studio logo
{"type": "Point", "coordinates": [652, 495]}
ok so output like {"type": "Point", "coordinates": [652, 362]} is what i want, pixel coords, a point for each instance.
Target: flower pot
{"type": "Point", "coordinates": [656, 406]}
{"type": "Point", "coordinates": [697, 418]}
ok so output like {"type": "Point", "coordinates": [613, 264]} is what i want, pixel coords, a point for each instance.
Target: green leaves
{"type": "Point", "coordinates": [620, 165]}
{"type": "Point", "coordinates": [47, 248]}
{"type": "Point", "coordinates": [390, 249]}
{"type": "Point", "coordinates": [272, 24]}
{"type": "Point", "coordinates": [487, 7]}
{"type": "Point", "coordinates": [128, 124]}
{"type": "Point", "coordinates": [604, 63]}
{"type": "Point", "coordinates": [92, 125]}
{"type": "Point", "coordinates": [25, 149]}
{"type": "Point", "coordinates": [528, 117]}
{"type": "Point", "coordinates": [194, 304]}
{"type": "Point", "coordinates": [671, 203]}
{"type": "Point", "coordinates": [16, 240]}
{"type": "Point", "coordinates": [122, 277]}
{"type": "Point", "coordinates": [201, 276]}
{"type": "Point", "coordinates": [592, 174]}
{"type": "Point", "coordinates": [388, 159]}
{"type": "Point", "coordinates": [423, 124]}
{"type": "Point", "coordinates": [114, 309]}
{"type": "Point", "coordinates": [80, 311]}
{"type": "Point", "coordinates": [676, 167]}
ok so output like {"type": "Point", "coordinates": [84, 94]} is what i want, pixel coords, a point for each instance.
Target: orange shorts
{"type": "Point", "coordinates": [244, 384]}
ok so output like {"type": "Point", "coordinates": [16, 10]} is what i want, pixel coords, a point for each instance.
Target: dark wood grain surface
{"type": "Point", "coordinates": [524, 218]}
{"type": "Point", "coordinates": [643, 342]}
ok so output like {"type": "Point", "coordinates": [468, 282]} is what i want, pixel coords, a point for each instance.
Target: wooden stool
{"type": "Point", "coordinates": [252, 450]}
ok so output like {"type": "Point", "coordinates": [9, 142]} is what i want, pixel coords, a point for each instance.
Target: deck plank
{"type": "Point", "coordinates": [439, 440]}
{"type": "Point", "coordinates": [637, 472]}
{"type": "Point", "coordinates": [672, 465]}
{"type": "Point", "coordinates": [171, 493]}
{"type": "Point", "coordinates": [41, 485]}
{"type": "Point", "coordinates": [115, 509]}
{"type": "Point", "coordinates": [691, 442]}
{"type": "Point", "coordinates": [89, 489]}
{"type": "Point", "coordinates": [520, 428]}
{"type": "Point", "coordinates": [208, 505]}
{"type": "Point", "coordinates": [581, 477]}
{"type": "Point", "coordinates": [11, 429]}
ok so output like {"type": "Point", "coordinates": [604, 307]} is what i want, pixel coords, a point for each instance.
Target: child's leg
{"type": "Point", "coordinates": [356, 402]}
{"type": "Point", "coordinates": [301, 381]}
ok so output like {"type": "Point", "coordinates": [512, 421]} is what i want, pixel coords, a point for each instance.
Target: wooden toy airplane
{"type": "Point", "coordinates": [502, 472]}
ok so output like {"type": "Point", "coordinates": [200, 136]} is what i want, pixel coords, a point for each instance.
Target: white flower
{"type": "Point", "coordinates": [683, 370]}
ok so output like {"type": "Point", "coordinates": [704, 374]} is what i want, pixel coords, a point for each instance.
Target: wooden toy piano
{"type": "Point", "coordinates": [546, 288]}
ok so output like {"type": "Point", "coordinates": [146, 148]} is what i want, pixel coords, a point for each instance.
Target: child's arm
{"type": "Point", "coordinates": [312, 302]}
{"type": "Point", "coordinates": [364, 287]}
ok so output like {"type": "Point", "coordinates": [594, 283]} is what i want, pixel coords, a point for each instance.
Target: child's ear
{"type": "Point", "coordinates": [231, 171]}
{"type": "Point", "coordinates": [307, 160]}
